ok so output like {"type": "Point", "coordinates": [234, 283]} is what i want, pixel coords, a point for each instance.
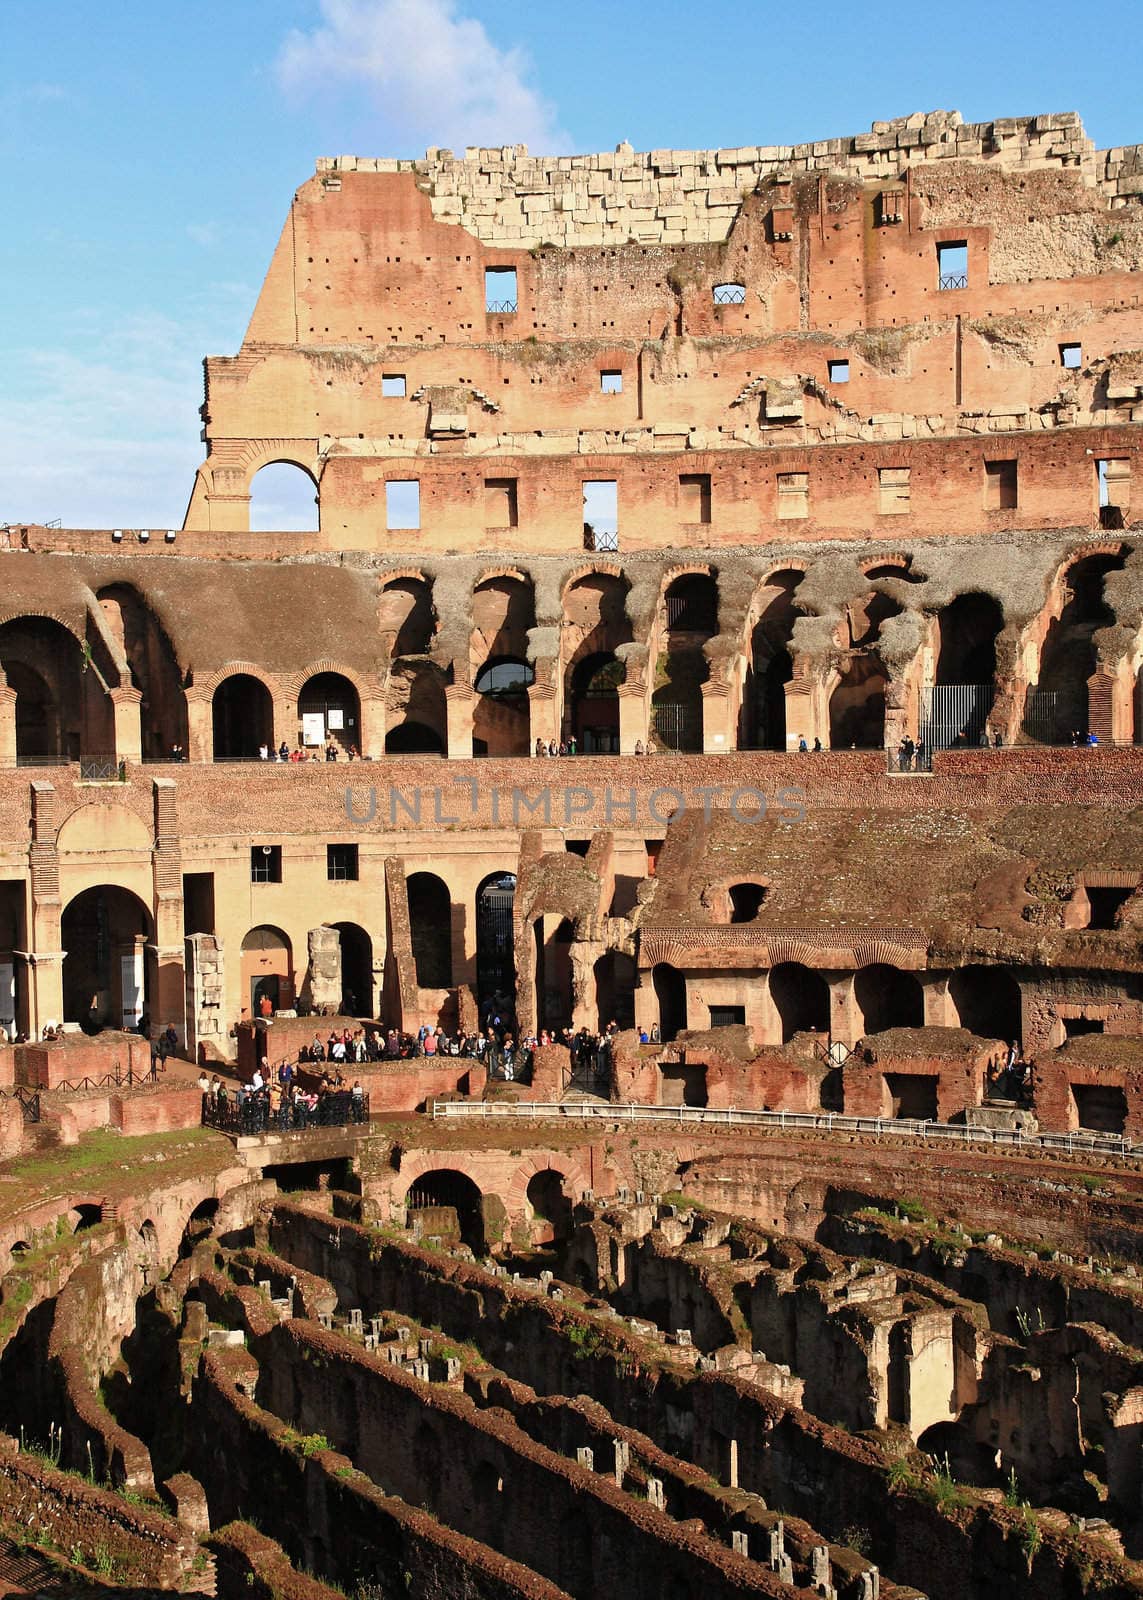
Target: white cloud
{"type": "Point", "coordinates": [432, 76]}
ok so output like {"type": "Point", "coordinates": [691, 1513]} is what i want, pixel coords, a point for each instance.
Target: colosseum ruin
{"type": "Point", "coordinates": [574, 1013]}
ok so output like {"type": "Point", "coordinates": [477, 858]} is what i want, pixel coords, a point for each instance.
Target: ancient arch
{"type": "Point", "coordinates": [445, 1188]}
{"type": "Point", "coordinates": [242, 715]}
{"type": "Point", "coordinates": [1056, 707]}
{"type": "Point", "coordinates": [801, 998]}
{"type": "Point", "coordinates": [356, 969]}
{"type": "Point", "coordinates": [333, 698]}
{"type": "Point", "coordinates": [495, 942]}
{"type": "Point", "coordinates": [595, 624]}
{"type": "Point", "coordinates": [671, 993]}
{"type": "Point", "coordinates": [857, 705]}
{"type": "Point", "coordinates": [153, 667]}
{"type": "Point", "coordinates": [501, 723]}
{"type": "Point", "coordinates": [43, 663]}
{"type": "Point", "coordinates": [615, 975]}
{"type": "Point", "coordinates": [768, 663]}
{"type": "Point", "coordinates": [418, 710]}
{"type": "Point", "coordinates": [960, 701]}
{"type": "Point", "coordinates": [284, 498]}
{"type": "Point", "coordinates": [407, 616]}
{"type": "Point", "coordinates": [988, 1002]}
{"type": "Point", "coordinates": [109, 961]}
{"type": "Point", "coordinates": [888, 998]}
{"type": "Point", "coordinates": [267, 970]}
{"type": "Point", "coordinates": [690, 605]}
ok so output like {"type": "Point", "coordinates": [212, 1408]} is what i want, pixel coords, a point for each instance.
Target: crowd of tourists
{"type": "Point", "coordinates": [283, 1103]}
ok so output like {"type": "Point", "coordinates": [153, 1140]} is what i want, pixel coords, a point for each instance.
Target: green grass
{"type": "Point", "coordinates": [103, 1150]}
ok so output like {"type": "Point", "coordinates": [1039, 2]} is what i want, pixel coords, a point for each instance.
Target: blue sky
{"type": "Point", "coordinates": [151, 149]}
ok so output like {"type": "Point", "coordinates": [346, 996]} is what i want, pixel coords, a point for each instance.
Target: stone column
{"type": "Point", "coordinates": [200, 729]}
{"type": "Point", "coordinates": [632, 717]}
{"type": "Point", "coordinates": [45, 955]}
{"type": "Point", "coordinates": [372, 730]}
{"type": "Point", "coordinates": [322, 985]}
{"type": "Point", "coordinates": [7, 726]}
{"type": "Point", "coordinates": [543, 714]}
{"type": "Point", "coordinates": [205, 994]}
{"type": "Point", "coordinates": [125, 707]}
{"type": "Point", "coordinates": [717, 732]}
{"type": "Point", "coordinates": [939, 1009]}
{"type": "Point", "coordinates": [845, 1020]}
{"type": "Point", "coordinates": [460, 701]}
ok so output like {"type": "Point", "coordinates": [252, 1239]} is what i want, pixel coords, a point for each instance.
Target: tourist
{"type": "Point", "coordinates": [817, 750]}
{"type": "Point", "coordinates": [803, 747]}
{"type": "Point", "coordinates": [638, 747]}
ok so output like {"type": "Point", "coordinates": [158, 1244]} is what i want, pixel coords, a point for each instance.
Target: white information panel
{"type": "Point", "coordinates": [313, 728]}
{"type": "Point", "coordinates": [131, 969]}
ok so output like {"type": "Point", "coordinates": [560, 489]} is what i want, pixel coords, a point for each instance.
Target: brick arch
{"type": "Point", "coordinates": [414, 1167]}
{"type": "Point", "coordinates": [575, 1175]}
{"type": "Point", "coordinates": [590, 569]}
{"type": "Point", "coordinates": [293, 683]}
{"type": "Point", "coordinates": [22, 613]}
{"type": "Point", "coordinates": [206, 689]}
{"type": "Point", "coordinates": [395, 574]}
{"type": "Point", "coordinates": [267, 452]}
{"type": "Point", "coordinates": [517, 574]}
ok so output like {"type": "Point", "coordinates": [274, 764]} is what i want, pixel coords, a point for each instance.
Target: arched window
{"type": "Point", "coordinates": [801, 999]}
{"type": "Point", "coordinates": [267, 970]}
{"type": "Point", "coordinates": [729, 294]}
{"type": "Point", "coordinates": [888, 998]}
{"type": "Point", "coordinates": [495, 939]}
{"type": "Point", "coordinates": [283, 499]}
{"type": "Point", "coordinates": [108, 974]}
{"type": "Point", "coordinates": [1056, 710]}
{"type": "Point", "coordinates": [329, 708]}
{"type": "Point", "coordinates": [242, 714]}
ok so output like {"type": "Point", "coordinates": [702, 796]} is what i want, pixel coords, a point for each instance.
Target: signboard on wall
{"type": "Point", "coordinates": [313, 727]}
{"type": "Point", "coordinates": [131, 970]}
{"type": "Point", "coordinates": [8, 997]}
{"type": "Point", "coordinates": [335, 717]}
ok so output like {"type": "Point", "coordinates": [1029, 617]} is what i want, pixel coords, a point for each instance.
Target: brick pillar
{"type": "Point", "coordinates": [7, 725]}
{"type": "Point", "coordinates": [845, 1021]}
{"type": "Point", "coordinates": [633, 727]}
{"type": "Point", "coordinates": [372, 731]}
{"type": "Point", "coordinates": [45, 958]}
{"type": "Point", "coordinates": [285, 720]}
{"type": "Point", "coordinates": [460, 702]}
{"type": "Point", "coordinates": [169, 1001]}
{"type": "Point", "coordinates": [939, 1009]}
{"type": "Point", "coordinates": [543, 714]}
{"type": "Point", "coordinates": [807, 713]}
{"type": "Point", "coordinates": [1107, 716]}
{"type": "Point", "coordinates": [717, 729]}
{"type": "Point", "coordinates": [200, 729]}
{"type": "Point", "coordinates": [125, 706]}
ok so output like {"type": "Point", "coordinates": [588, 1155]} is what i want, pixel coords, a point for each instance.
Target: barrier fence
{"type": "Point", "coordinates": [253, 1114]}
{"type": "Point", "coordinates": [822, 1122]}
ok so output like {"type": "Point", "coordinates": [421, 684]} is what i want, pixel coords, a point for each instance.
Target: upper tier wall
{"type": "Point", "coordinates": [503, 195]}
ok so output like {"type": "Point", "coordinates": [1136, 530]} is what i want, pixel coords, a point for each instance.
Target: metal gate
{"type": "Point", "coordinates": [676, 727]}
{"type": "Point", "coordinates": [955, 714]}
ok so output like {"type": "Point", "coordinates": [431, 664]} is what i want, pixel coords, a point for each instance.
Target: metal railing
{"type": "Point", "coordinates": [953, 280]}
{"type": "Point", "coordinates": [253, 1115]}
{"type": "Point", "coordinates": [729, 294]}
{"type": "Point", "coordinates": [29, 1100]}
{"type": "Point", "coordinates": [817, 1121]}
{"type": "Point", "coordinates": [102, 769]}
{"type": "Point", "coordinates": [110, 1080]}
{"type": "Point", "coordinates": [500, 307]}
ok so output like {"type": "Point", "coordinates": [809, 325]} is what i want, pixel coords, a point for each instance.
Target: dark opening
{"type": "Point", "coordinates": [1106, 905]}
{"type": "Point", "coordinates": [727, 1016]}
{"type": "Point", "coordinates": [243, 717]}
{"type": "Point", "coordinates": [671, 993]}
{"type": "Point", "coordinates": [356, 970]}
{"type": "Point", "coordinates": [1100, 1108]}
{"type": "Point", "coordinates": [801, 997]}
{"type": "Point", "coordinates": [888, 998]}
{"type": "Point", "coordinates": [746, 901]}
{"type": "Point", "coordinates": [987, 1001]}
{"type": "Point", "coordinates": [913, 1095]}
{"type": "Point", "coordinates": [198, 902]}
{"type": "Point", "coordinates": [495, 940]}
{"type": "Point", "coordinates": [683, 1084]}
{"type": "Point", "coordinates": [547, 1198]}
{"type": "Point", "coordinates": [430, 929]}
{"type": "Point", "coordinates": [444, 1189]}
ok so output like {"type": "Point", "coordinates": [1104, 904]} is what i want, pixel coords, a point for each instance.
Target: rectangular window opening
{"type": "Point", "coordinates": [500, 290]}
{"type": "Point", "coordinates": [341, 863]}
{"type": "Point", "coordinates": [393, 385]}
{"type": "Point", "coordinates": [1000, 486]}
{"type": "Point", "coordinates": [1114, 479]}
{"type": "Point", "coordinates": [694, 496]}
{"type": "Point", "coordinates": [727, 1016]}
{"type": "Point", "coordinates": [611, 382]}
{"type": "Point", "coordinates": [500, 503]}
{"type": "Point", "coordinates": [793, 495]}
{"type": "Point", "coordinates": [952, 265]}
{"type": "Point", "coordinates": [403, 503]}
{"type": "Point", "coordinates": [1071, 356]}
{"type": "Point", "coordinates": [265, 863]}
{"type": "Point", "coordinates": [839, 371]}
{"type": "Point", "coordinates": [198, 902]}
{"type": "Point", "coordinates": [601, 514]}
{"type": "Point", "coordinates": [892, 490]}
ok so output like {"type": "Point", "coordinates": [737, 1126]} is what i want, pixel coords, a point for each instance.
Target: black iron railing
{"type": "Point", "coordinates": [102, 769]}
{"type": "Point", "coordinates": [253, 1114]}
{"type": "Point", "coordinates": [953, 280]}
{"type": "Point", "coordinates": [500, 307]}
{"type": "Point", "coordinates": [29, 1101]}
{"type": "Point", "coordinates": [110, 1080]}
